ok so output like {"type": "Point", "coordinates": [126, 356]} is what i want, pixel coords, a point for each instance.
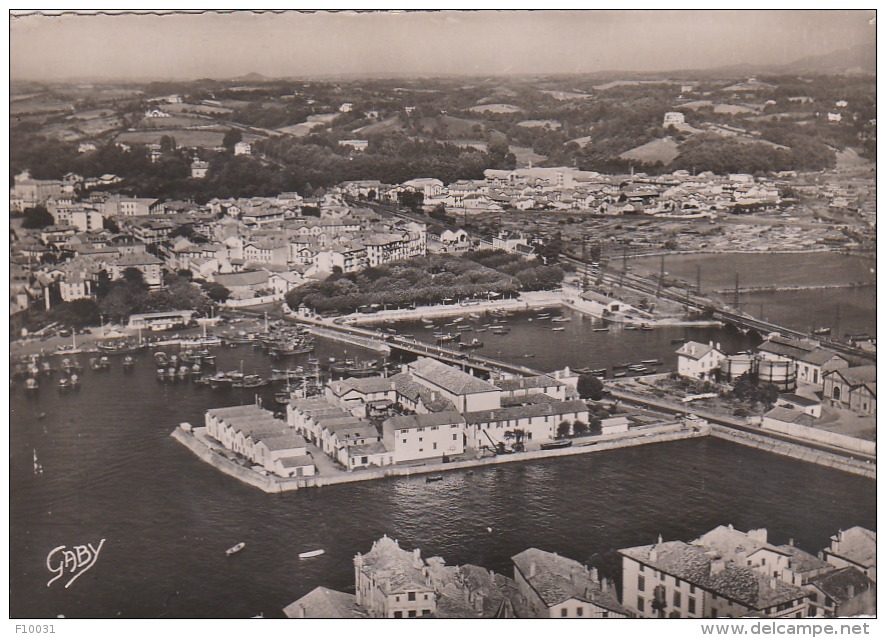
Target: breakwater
{"type": "Point", "coordinates": [787, 288]}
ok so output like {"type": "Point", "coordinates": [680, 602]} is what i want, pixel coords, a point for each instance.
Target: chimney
{"type": "Point", "coordinates": [595, 576]}
{"type": "Point", "coordinates": [717, 566]}
{"type": "Point", "coordinates": [791, 542]}
{"type": "Point", "coordinates": [653, 554]}
{"type": "Point", "coordinates": [416, 559]}
{"type": "Point", "coordinates": [478, 602]}
{"type": "Point", "coordinates": [604, 585]}
{"type": "Point", "coordinates": [532, 569]}
{"type": "Point", "coordinates": [850, 591]}
{"type": "Point", "coordinates": [773, 583]}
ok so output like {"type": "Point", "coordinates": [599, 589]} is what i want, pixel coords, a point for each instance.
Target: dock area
{"type": "Point", "coordinates": [218, 457]}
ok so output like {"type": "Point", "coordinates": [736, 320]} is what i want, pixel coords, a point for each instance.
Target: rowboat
{"type": "Point", "coordinates": [312, 553]}
{"type": "Point", "coordinates": [558, 329]}
{"type": "Point", "coordinates": [236, 548]}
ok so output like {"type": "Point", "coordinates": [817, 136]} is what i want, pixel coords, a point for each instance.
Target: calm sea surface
{"type": "Point", "coordinates": [112, 472]}
{"type": "Point", "coordinates": [844, 310]}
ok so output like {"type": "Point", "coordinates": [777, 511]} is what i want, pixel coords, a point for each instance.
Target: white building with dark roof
{"type": "Point", "coordinates": [467, 392]}
{"type": "Point", "coordinates": [424, 436]}
{"type": "Point", "coordinates": [697, 360]}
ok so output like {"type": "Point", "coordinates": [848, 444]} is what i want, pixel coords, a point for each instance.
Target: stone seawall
{"type": "Point", "coordinates": [272, 484]}
{"type": "Point", "coordinates": [796, 451]}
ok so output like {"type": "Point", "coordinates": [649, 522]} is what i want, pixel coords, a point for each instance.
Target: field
{"type": "Point", "coordinates": [495, 108]}
{"type": "Point", "coordinates": [183, 137]}
{"type": "Point", "coordinates": [552, 124]}
{"type": "Point", "coordinates": [663, 150]}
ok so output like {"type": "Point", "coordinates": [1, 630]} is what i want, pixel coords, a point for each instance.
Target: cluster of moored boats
{"type": "Point", "coordinates": [279, 341]}
{"type": "Point", "coordinates": [622, 370]}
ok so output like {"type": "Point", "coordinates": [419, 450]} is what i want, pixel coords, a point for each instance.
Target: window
{"type": "Point", "coordinates": [412, 613]}
{"type": "Point", "coordinates": [691, 603]}
{"type": "Point", "coordinates": [434, 427]}
{"type": "Point", "coordinates": [713, 612]}
{"type": "Point", "coordinates": [580, 611]}
{"type": "Point", "coordinates": [420, 439]}
{"type": "Point", "coordinates": [641, 583]}
{"type": "Point", "coordinates": [455, 437]}
{"type": "Point", "coordinates": [398, 614]}
{"type": "Point", "coordinates": [411, 596]}
{"type": "Point", "coordinates": [563, 612]}
{"type": "Point", "coordinates": [836, 393]}
{"type": "Point", "coordinates": [426, 596]}
{"type": "Point", "coordinates": [677, 599]}
{"type": "Point", "coordinates": [397, 598]}
{"type": "Point", "coordinates": [639, 604]}
{"type": "Point", "coordinates": [435, 446]}
{"type": "Point", "coordinates": [691, 589]}
{"type": "Point", "coordinates": [404, 441]}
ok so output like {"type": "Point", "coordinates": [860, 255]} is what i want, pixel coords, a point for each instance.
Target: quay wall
{"type": "Point", "coordinates": [270, 484]}
{"type": "Point", "coordinates": [818, 435]}
{"type": "Point", "coordinates": [851, 284]}
{"type": "Point", "coordinates": [795, 451]}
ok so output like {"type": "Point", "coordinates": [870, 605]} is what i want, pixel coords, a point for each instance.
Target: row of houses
{"type": "Point", "coordinates": [256, 435]}
{"type": "Point", "coordinates": [725, 573]}
{"type": "Point", "coordinates": [562, 188]}
{"type": "Point", "coordinates": [392, 582]}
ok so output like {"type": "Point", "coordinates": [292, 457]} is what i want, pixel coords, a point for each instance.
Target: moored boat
{"type": "Point", "coordinates": [312, 553]}
{"type": "Point", "coordinates": [556, 445]}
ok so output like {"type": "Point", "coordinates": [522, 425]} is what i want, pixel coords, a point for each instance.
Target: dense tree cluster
{"type": "Point", "coordinates": [426, 280]}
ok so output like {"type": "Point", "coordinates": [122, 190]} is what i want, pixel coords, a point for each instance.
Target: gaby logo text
{"type": "Point", "coordinates": [74, 561]}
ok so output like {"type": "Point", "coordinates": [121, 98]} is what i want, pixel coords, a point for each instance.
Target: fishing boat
{"type": "Point", "coordinates": [464, 328]}
{"type": "Point", "coordinates": [312, 553]}
{"type": "Point", "coordinates": [633, 328]}
{"type": "Point", "coordinates": [638, 369]}
{"type": "Point", "coordinates": [427, 322]}
{"type": "Point", "coordinates": [362, 368]}
{"type": "Point", "coordinates": [250, 381]}
{"type": "Point", "coordinates": [104, 363]}
{"type": "Point", "coordinates": [94, 364]}
{"type": "Point", "coordinates": [500, 330]}
{"type": "Point", "coordinates": [601, 372]}
{"type": "Point", "coordinates": [433, 479]}
{"type": "Point", "coordinates": [474, 316]}
{"type": "Point", "coordinates": [480, 329]}
{"type": "Point", "coordinates": [46, 367]}
{"type": "Point", "coordinates": [128, 362]}
{"type": "Point", "coordinates": [556, 445]}
{"type": "Point", "coordinates": [651, 362]}
{"type": "Point", "coordinates": [621, 373]}
{"type": "Point", "coordinates": [558, 329]}
{"type": "Point", "coordinates": [561, 319]}
{"type": "Point", "coordinates": [821, 331]}
{"type": "Point", "coordinates": [448, 337]}
{"type": "Point", "coordinates": [679, 340]}
{"type": "Point", "coordinates": [473, 343]}
{"type": "Point", "coordinates": [160, 358]}
{"type": "Point", "coordinates": [606, 329]}
{"type": "Point", "coordinates": [236, 548]}
{"type": "Point", "coordinates": [646, 326]}
{"type": "Point", "coordinates": [64, 384]}
{"type": "Point", "coordinates": [74, 381]}
{"type": "Point", "coordinates": [544, 315]}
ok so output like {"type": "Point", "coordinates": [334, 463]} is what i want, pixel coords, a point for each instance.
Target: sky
{"type": "Point", "coordinates": [293, 44]}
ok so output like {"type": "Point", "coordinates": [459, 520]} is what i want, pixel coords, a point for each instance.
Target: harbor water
{"type": "Point", "coordinates": [112, 472]}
